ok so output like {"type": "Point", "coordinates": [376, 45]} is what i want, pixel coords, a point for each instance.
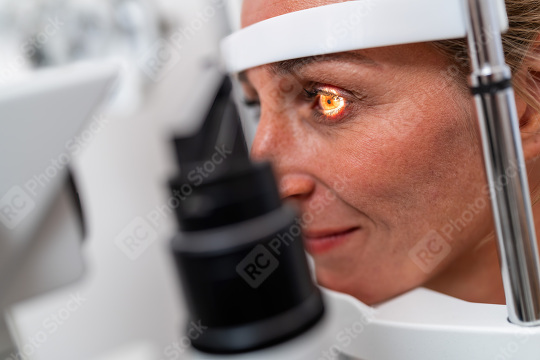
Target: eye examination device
{"type": "Point", "coordinates": [254, 314]}
{"type": "Point", "coordinates": [41, 223]}
{"type": "Point", "coordinates": [237, 251]}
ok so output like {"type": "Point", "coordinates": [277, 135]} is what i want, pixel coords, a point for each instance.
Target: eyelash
{"type": "Point", "coordinates": [251, 103]}
{"type": "Point", "coordinates": [311, 95]}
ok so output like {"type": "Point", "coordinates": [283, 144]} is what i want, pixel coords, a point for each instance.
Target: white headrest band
{"type": "Point", "coordinates": [351, 25]}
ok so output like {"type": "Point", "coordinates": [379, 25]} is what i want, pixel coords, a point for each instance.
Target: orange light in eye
{"type": "Point", "coordinates": [331, 105]}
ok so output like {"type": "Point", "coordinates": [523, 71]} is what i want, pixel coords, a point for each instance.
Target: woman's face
{"type": "Point", "coordinates": [378, 151]}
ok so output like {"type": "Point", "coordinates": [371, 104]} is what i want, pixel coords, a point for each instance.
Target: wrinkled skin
{"type": "Point", "coordinates": [400, 167]}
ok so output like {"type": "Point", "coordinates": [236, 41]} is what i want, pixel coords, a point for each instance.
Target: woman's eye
{"type": "Point", "coordinates": [327, 102]}
{"type": "Point", "coordinates": [331, 105]}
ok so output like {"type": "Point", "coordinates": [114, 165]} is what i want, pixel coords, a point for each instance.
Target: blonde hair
{"type": "Point", "coordinates": [521, 52]}
{"type": "Point", "coordinates": [519, 47]}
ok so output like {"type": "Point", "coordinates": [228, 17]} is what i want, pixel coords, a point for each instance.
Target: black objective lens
{"type": "Point", "coordinates": [239, 252]}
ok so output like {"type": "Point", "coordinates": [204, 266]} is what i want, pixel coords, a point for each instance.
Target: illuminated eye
{"type": "Point", "coordinates": [331, 105]}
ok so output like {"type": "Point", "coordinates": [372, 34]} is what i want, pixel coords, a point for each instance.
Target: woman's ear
{"type": "Point", "coordinates": [527, 86]}
{"type": "Point", "coordinates": [529, 124]}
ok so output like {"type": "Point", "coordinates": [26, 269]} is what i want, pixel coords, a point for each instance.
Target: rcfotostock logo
{"type": "Point", "coordinates": [262, 261]}
{"type": "Point", "coordinates": [136, 238]}
{"type": "Point", "coordinates": [163, 56]}
{"type": "Point", "coordinates": [49, 326]}
{"type": "Point", "coordinates": [257, 266]}
{"type": "Point", "coordinates": [30, 47]}
{"type": "Point", "coordinates": [159, 60]}
{"type": "Point", "coordinates": [176, 350]}
{"type": "Point", "coordinates": [20, 200]}
{"type": "Point", "coordinates": [430, 251]}
{"type": "Point", "coordinates": [343, 29]}
{"type": "Point", "coordinates": [141, 232]}
{"type": "Point", "coordinates": [347, 336]}
{"type": "Point", "coordinates": [15, 205]}
{"type": "Point", "coordinates": [436, 245]}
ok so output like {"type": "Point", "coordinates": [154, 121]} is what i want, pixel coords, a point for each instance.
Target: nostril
{"type": "Point", "coordinates": [296, 185]}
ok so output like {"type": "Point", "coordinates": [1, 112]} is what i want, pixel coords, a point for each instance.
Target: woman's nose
{"type": "Point", "coordinates": [269, 138]}
{"type": "Point", "coordinates": [296, 186]}
{"type": "Point", "coordinates": [273, 142]}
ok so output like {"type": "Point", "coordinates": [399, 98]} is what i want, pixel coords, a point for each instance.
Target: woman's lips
{"type": "Point", "coordinates": [322, 241]}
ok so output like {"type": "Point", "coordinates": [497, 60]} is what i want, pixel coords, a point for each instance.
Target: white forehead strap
{"type": "Point", "coordinates": [351, 25]}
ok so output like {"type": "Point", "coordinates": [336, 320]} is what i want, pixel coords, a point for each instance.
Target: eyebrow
{"type": "Point", "coordinates": [295, 65]}
{"type": "Point", "coordinates": [288, 67]}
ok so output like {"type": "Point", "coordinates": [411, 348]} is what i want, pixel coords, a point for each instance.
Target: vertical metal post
{"type": "Point", "coordinates": [504, 162]}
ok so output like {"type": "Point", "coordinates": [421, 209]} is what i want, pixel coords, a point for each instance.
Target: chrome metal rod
{"type": "Point", "coordinates": [504, 162]}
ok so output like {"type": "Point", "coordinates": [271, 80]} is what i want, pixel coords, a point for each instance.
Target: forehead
{"type": "Point", "coordinates": [254, 11]}
{"type": "Point", "coordinates": [396, 56]}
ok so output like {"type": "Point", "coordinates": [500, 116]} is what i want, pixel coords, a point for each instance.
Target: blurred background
{"type": "Point", "coordinates": [128, 305]}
